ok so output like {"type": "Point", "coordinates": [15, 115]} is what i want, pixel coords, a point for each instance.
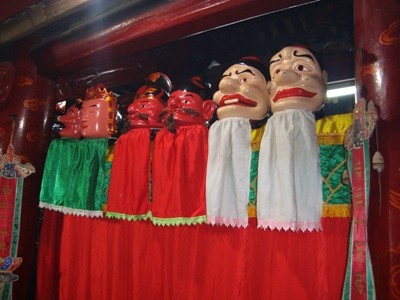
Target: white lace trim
{"type": "Point", "coordinates": [72, 211]}
{"type": "Point", "coordinates": [212, 220]}
{"type": "Point", "coordinates": [290, 225]}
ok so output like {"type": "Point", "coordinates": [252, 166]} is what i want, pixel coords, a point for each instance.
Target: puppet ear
{"type": "Point", "coordinates": [209, 108]}
{"type": "Point", "coordinates": [325, 76]}
{"type": "Point", "coordinates": [269, 86]}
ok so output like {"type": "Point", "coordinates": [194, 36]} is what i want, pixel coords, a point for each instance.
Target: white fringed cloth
{"type": "Point", "coordinates": [228, 172]}
{"type": "Point", "coordinates": [289, 195]}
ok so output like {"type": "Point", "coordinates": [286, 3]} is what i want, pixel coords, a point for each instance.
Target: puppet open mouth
{"type": "Point", "coordinates": [236, 99]}
{"type": "Point", "coordinates": [293, 92]}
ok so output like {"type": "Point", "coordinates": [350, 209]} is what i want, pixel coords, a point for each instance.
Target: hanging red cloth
{"type": "Point", "coordinates": [179, 170]}
{"type": "Point", "coordinates": [106, 259]}
{"type": "Point", "coordinates": [129, 190]}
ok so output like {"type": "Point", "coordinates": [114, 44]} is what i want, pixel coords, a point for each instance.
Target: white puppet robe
{"type": "Point", "coordinates": [228, 172]}
{"type": "Point", "coordinates": [289, 194]}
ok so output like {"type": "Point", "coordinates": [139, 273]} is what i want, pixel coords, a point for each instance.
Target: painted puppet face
{"type": "Point", "coordinates": [242, 93]}
{"type": "Point", "coordinates": [297, 81]}
{"type": "Point", "coordinates": [187, 108]}
{"type": "Point", "coordinates": [145, 113]}
{"type": "Point", "coordinates": [94, 119]}
{"type": "Point", "coordinates": [72, 123]}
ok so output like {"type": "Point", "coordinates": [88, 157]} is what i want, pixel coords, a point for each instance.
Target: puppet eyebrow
{"type": "Point", "coordinates": [303, 55]}
{"type": "Point", "coordinates": [276, 60]}
{"type": "Point", "coordinates": [245, 71]}
{"type": "Point", "coordinates": [188, 95]}
{"type": "Point", "coordinates": [239, 72]}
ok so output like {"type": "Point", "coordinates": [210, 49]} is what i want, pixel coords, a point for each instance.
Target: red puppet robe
{"type": "Point", "coordinates": [179, 174]}
{"type": "Point", "coordinates": [129, 190]}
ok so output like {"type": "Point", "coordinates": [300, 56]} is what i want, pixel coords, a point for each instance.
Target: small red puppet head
{"type": "Point", "coordinates": [189, 104]}
{"type": "Point", "coordinates": [149, 102]}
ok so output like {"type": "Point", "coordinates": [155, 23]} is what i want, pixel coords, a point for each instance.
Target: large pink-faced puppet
{"type": "Point", "coordinates": [297, 81]}
{"type": "Point", "coordinates": [180, 151]}
{"type": "Point", "coordinates": [243, 91]}
{"type": "Point", "coordinates": [130, 192]}
{"type": "Point", "coordinates": [149, 103]}
{"type": "Point", "coordinates": [290, 183]}
{"type": "Point", "coordinates": [98, 113]}
{"type": "Point", "coordinates": [241, 98]}
{"type": "Point", "coordinates": [72, 123]}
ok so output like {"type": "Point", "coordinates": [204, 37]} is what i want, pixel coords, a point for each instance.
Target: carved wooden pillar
{"type": "Point", "coordinates": [377, 43]}
{"type": "Point", "coordinates": [31, 100]}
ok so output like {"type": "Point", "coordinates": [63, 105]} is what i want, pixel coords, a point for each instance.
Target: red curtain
{"type": "Point", "coordinates": [84, 258]}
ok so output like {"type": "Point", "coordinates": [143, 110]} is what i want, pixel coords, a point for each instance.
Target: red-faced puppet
{"type": "Point", "coordinates": [189, 104]}
{"type": "Point", "coordinates": [149, 102]}
{"type": "Point", "coordinates": [130, 193]}
{"type": "Point", "coordinates": [180, 156]}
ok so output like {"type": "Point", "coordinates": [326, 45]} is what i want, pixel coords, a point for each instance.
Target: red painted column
{"type": "Point", "coordinates": [31, 99]}
{"type": "Point", "coordinates": [377, 43]}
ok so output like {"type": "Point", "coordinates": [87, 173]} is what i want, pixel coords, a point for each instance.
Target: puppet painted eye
{"type": "Point", "coordinates": [243, 80]}
{"type": "Point", "coordinates": [276, 72]}
{"type": "Point", "coordinates": [301, 68]}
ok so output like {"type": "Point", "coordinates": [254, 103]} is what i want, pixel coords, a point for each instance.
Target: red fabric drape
{"type": "Point", "coordinates": [48, 272]}
{"type": "Point", "coordinates": [129, 191]}
{"type": "Point", "coordinates": [179, 173]}
{"type": "Point", "coordinates": [112, 259]}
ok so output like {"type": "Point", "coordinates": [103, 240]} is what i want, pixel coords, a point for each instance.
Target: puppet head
{"type": "Point", "coordinates": [243, 90]}
{"type": "Point", "coordinates": [189, 104]}
{"type": "Point", "coordinates": [297, 80]}
{"type": "Point", "coordinates": [149, 102]}
{"type": "Point", "coordinates": [72, 123]}
{"type": "Point", "coordinates": [99, 112]}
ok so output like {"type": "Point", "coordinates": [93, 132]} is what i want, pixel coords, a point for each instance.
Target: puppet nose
{"type": "Point", "coordinates": [173, 103]}
{"type": "Point", "coordinates": [229, 85]}
{"type": "Point", "coordinates": [286, 76]}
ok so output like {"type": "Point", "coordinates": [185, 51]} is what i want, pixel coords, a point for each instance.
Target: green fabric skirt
{"type": "Point", "coordinates": [75, 177]}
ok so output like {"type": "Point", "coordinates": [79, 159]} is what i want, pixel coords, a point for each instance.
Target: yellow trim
{"type": "Point", "coordinates": [331, 130]}
{"type": "Point", "coordinates": [328, 211]}
{"type": "Point", "coordinates": [256, 136]}
{"type": "Point", "coordinates": [336, 210]}
{"type": "Point", "coordinates": [110, 153]}
{"type": "Point", "coordinates": [251, 211]}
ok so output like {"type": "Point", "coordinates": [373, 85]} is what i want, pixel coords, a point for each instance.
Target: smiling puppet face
{"type": "Point", "coordinates": [94, 119]}
{"type": "Point", "coordinates": [242, 93]}
{"type": "Point", "coordinates": [297, 81]}
{"type": "Point", "coordinates": [72, 123]}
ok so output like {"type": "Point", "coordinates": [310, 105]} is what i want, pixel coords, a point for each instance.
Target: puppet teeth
{"type": "Point", "coordinates": [231, 101]}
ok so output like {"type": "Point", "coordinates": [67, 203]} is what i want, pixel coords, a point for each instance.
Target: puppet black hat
{"type": "Point", "coordinates": [157, 85]}
{"type": "Point", "coordinates": [198, 85]}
